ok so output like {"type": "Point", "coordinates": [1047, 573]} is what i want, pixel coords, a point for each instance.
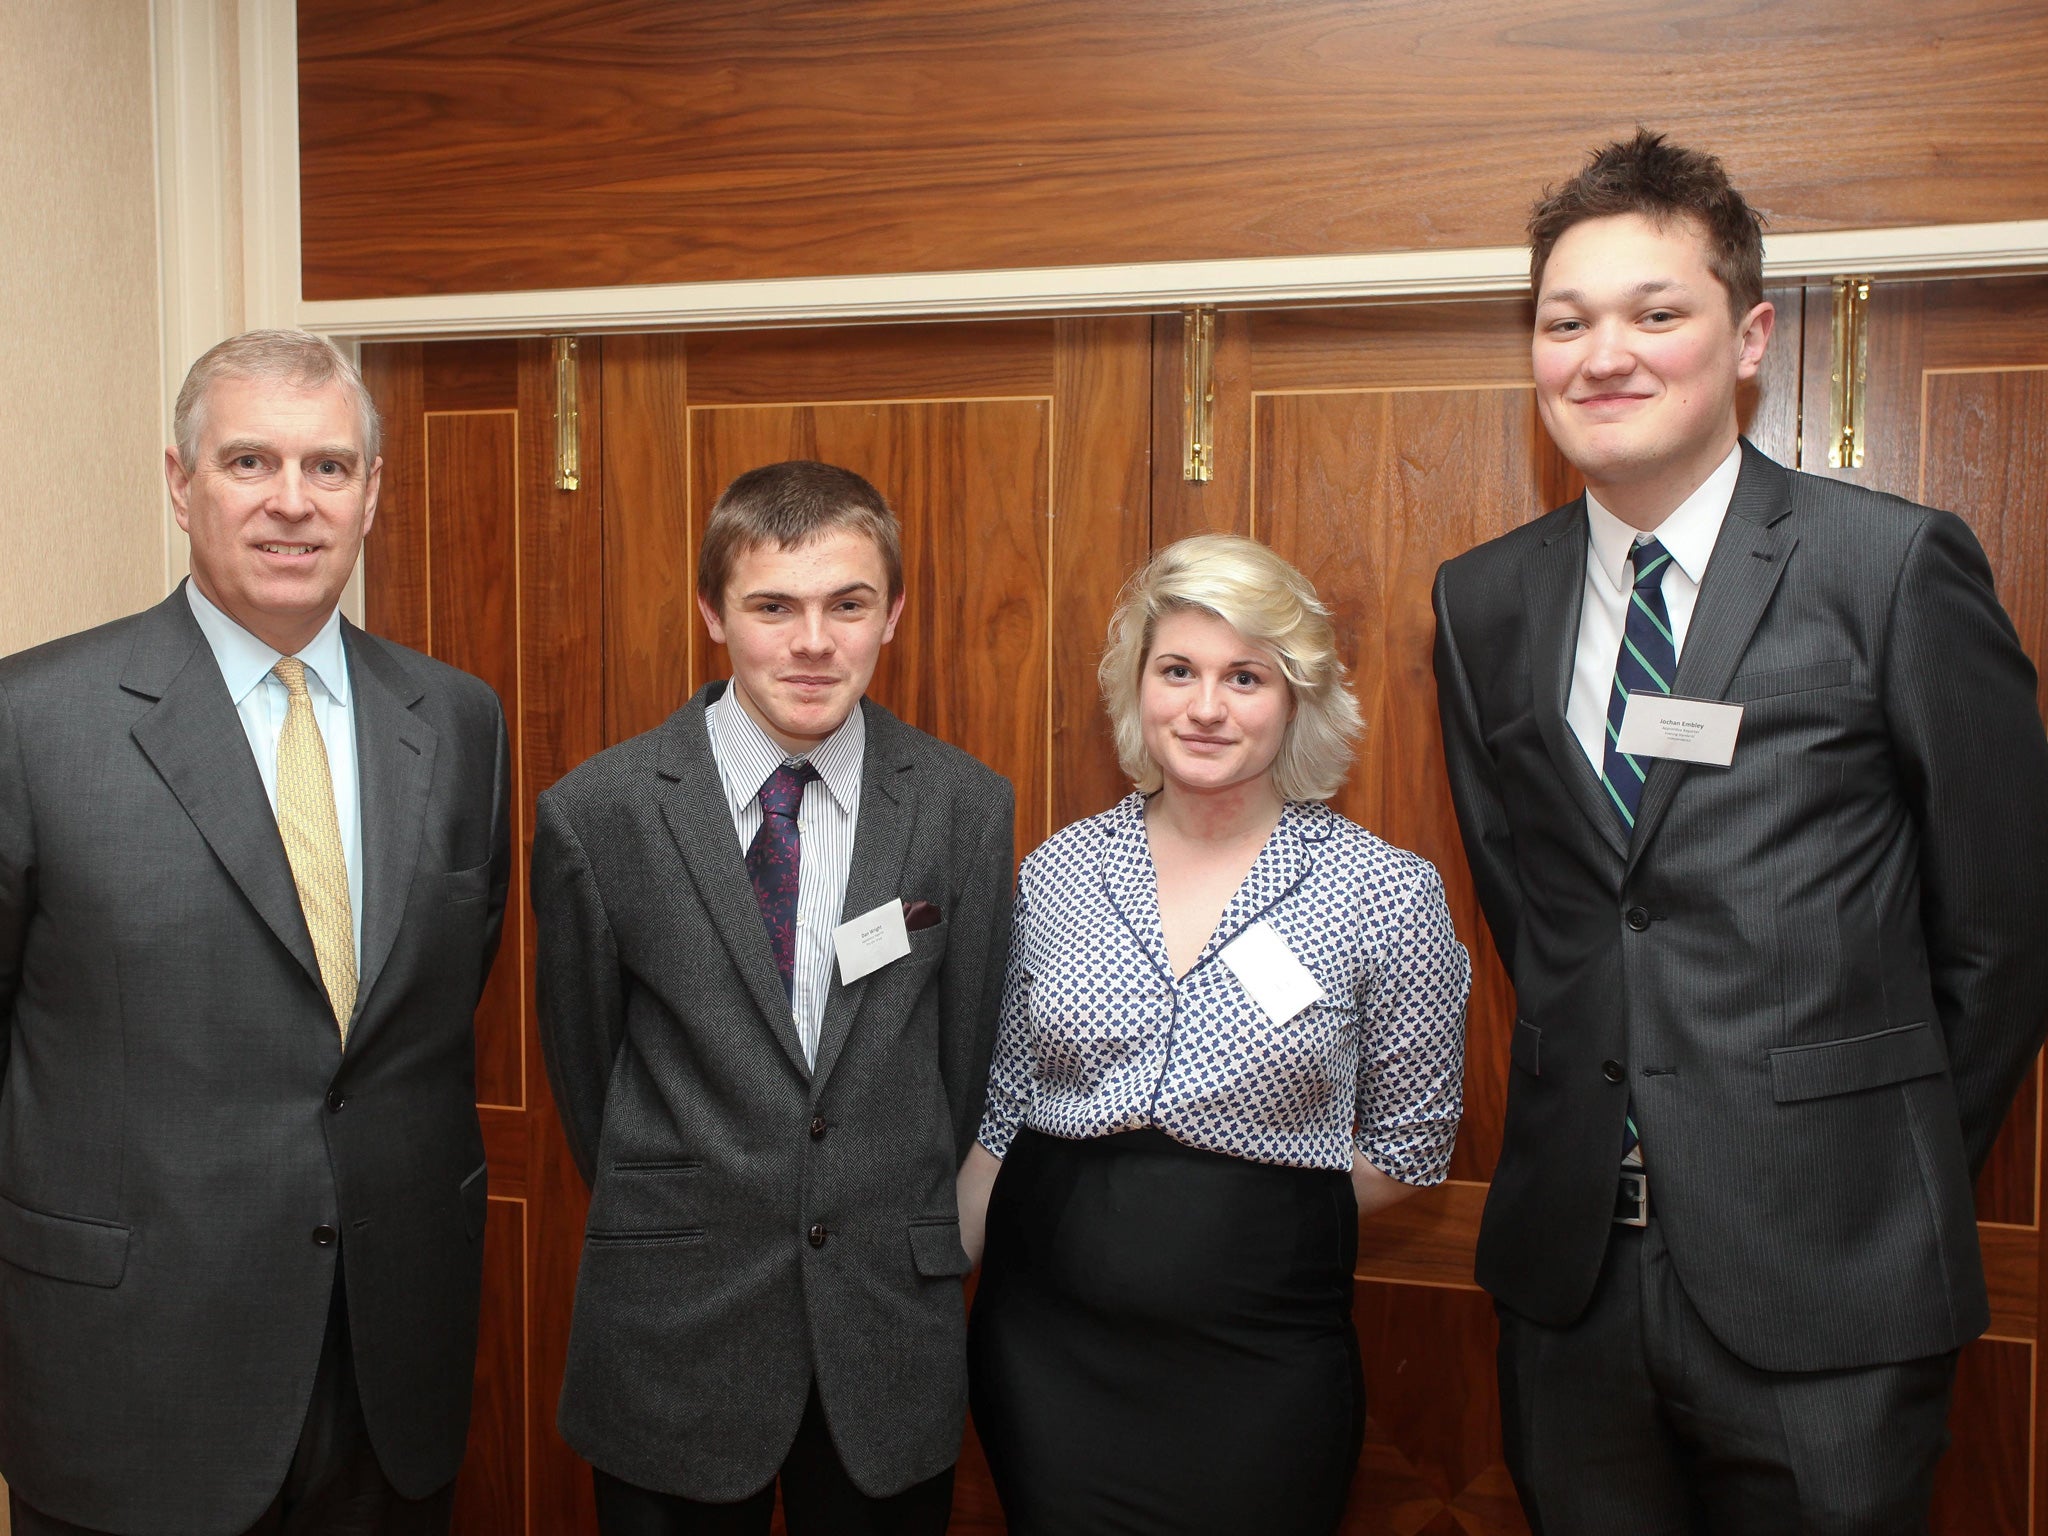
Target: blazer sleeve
{"type": "Point", "coordinates": [971, 978]}
{"type": "Point", "coordinates": [1475, 787]}
{"type": "Point", "coordinates": [17, 871]}
{"type": "Point", "coordinates": [1960, 701]}
{"type": "Point", "coordinates": [580, 997]}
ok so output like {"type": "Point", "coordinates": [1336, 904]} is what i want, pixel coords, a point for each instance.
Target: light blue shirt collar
{"type": "Point", "coordinates": [245, 661]}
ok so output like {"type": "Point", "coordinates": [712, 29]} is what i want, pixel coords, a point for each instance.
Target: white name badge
{"type": "Point", "coordinates": [870, 941]}
{"type": "Point", "coordinates": [1690, 730]}
{"type": "Point", "coordinates": [1266, 968]}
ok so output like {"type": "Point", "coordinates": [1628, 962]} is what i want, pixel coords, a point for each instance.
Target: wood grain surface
{"type": "Point", "coordinates": [476, 145]}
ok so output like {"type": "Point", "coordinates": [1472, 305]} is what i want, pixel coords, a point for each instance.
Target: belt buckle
{"type": "Point", "coordinates": [1632, 1200]}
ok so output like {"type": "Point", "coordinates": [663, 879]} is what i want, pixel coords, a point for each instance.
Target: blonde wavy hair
{"type": "Point", "coordinates": [1271, 604]}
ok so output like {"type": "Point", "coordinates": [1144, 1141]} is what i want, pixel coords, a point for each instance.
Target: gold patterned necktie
{"type": "Point", "coordinates": [312, 842]}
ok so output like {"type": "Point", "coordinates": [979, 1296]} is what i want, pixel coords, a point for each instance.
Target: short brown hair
{"type": "Point", "coordinates": [788, 504]}
{"type": "Point", "coordinates": [297, 358]}
{"type": "Point", "coordinates": [1645, 175]}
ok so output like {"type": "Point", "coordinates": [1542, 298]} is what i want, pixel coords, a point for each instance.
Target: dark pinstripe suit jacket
{"type": "Point", "coordinates": [704, 1308]}
{"type": "Point", "coordinates": [1823, 969]}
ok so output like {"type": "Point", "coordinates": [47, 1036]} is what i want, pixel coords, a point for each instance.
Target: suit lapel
{"type": "Point", "coordinates": [881, 846]}
{"type": "Point", "coordinates": [195, 740]}
{"type": "Point", "coordinates": [1553, 592]}
{"type": "Point", "coordinates": [394, 770]}
{"type": "Point", "coordinates": [1749, 558]}
{"type": "Point", "coordinates": [693, 804]}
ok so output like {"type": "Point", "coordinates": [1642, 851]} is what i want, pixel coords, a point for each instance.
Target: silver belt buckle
{"type": "Point", "coordinates": [1632, 1200]}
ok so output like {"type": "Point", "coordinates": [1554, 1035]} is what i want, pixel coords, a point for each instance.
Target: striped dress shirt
{"type": "Point", "coordinates": [826, 821]}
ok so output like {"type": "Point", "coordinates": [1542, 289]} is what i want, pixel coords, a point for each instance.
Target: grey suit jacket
{"type": "Point", "coordinates": [177, 1117]}
{"type": "Point", "coordinates": [1820, 972]}
{"type": "Point", "coordinates": [755, 1225]}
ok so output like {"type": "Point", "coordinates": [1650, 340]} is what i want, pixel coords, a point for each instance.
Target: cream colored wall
{"type": "Point", "coordinates": [82, 527]}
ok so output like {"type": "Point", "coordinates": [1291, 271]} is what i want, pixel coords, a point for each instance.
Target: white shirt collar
{"type": "Point", "coordinates": [747, 755]}
{"type": "Point", "coordinates": [245, 661]}
{"type": "Point", "coordinates": [1688, 533]}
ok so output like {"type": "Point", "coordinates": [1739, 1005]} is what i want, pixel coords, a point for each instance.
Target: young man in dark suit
{"type": "Point", "coordinates": [252, 866]}
{"type": "Point", "coordinates": [1755, 794]}
{"type": "Point", "coordinates": [772, 940]}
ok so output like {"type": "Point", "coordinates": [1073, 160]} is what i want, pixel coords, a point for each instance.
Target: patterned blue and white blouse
{"type": "Point", "coordinates": [1098, 1036]}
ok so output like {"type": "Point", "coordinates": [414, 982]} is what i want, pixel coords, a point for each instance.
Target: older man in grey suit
{"type": "Point", "coordinates": [772, 940]}
{"type": "Point", "coordinates": [1754, 789]}
{"type": "Point", "coordinates": [252, 864]}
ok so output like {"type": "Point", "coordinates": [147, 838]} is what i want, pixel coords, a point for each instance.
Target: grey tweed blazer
{"type": "Point", "coordinates": [1820, 972]}
{"type": "Point", "coordinates": [755, 1225]}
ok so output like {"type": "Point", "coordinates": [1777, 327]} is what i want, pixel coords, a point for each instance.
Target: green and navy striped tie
{"type": "Point", "coordinates": [1648, 662]}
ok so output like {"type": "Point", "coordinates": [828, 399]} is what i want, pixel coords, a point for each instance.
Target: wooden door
{"type": "Point", "coordinates": [1957, 417]}
{"type": "Point", "coordinates": [1365, 444]}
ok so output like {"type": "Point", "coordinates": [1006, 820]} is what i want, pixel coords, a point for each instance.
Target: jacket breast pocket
{"type": "Point", "coordinates": [63, 1247]}
{"type": "Point", "coordinates": [1748, 687]}
{"type": "Point", "coordinates": [1860, 1062]}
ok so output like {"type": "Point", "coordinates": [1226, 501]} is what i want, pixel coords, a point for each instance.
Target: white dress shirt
{"type": "Point", "coordinates": [825, 821]}
{"type": "Point", "coordinates": [1689, 534]}
{"type": "Point", "coordinates": [262, 701]}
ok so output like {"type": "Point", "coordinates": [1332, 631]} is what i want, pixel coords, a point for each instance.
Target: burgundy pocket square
{"type": "Point", "coordinates": [919, 914]}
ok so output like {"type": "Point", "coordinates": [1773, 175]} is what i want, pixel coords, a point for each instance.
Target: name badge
{"type": "Point", "coordinates": [1689, 730]}
{"type": "Point", "coordinates": [1266, 968]}
{"type": "Point", "coordinates": [870, 941]}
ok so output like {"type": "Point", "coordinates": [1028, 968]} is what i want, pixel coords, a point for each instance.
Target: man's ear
{"type": "Point", "coordinates": [713, 619]}
{"type": "Point", "coordinates": [179, 479]}
{"type": "Point", "coordinates": [1755, 334]}
{"type": "Point", "coordinates": [895, 613]}
{"type": "Point", "coordinates": [372, 484]}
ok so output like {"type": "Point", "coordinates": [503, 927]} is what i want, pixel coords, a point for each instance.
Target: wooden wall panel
{"type": "Point", "coordinates": [490, 1493]}
{"type": "Point", "coordinates": [1368, 492]}
{"type": "Point", "coordinates": [468, 145]}
{"type": "Point", "coordinates": [472, 560]}
{"type": "Point", "coordinates": [650, 577]}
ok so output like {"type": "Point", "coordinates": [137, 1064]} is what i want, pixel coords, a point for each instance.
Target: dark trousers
{"type": "Point", "coordinates": [333, 1486]}
{"type": "Point", "coordinates": [1635, 1421]}
{"type": "Point", "coordinates": [818, 1499]}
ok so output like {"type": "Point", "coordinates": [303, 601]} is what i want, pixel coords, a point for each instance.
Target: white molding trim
{"type": "Point", "coordinates": [195, 208]}
{"type": "Point", "coordinates": [270, 163]}
{"type": "Point", "coordinates": [1303, 280]}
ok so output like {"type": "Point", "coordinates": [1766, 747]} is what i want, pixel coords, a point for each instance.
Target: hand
{"type": "Point", "coordinates": [977, 1180]}
{"type": "Point", "coordinates": [1375, 1191]}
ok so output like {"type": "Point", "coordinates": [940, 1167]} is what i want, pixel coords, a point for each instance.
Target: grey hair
{"type": "Point", "coordinates": [298, 358]}
{"type": "Point", "coordinates": [1270, 603]}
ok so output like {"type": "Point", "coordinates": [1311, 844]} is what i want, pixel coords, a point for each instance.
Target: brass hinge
{"type": "Point", "coordinates": [1849, 359]}
{"type": "Point", "coordinates": [1198, 386]}
{"type": "Point", "coordinates": [568, 457]}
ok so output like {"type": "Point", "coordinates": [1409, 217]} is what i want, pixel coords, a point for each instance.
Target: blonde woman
{"type": "Point", "coordinates": [1234, 1023]}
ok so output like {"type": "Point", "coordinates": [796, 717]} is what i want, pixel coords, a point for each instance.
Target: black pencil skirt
{"type": "Point", "coordinates": [1161, 1341]}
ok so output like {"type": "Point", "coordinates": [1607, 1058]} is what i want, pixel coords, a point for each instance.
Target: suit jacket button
{"type": "Point", "coordinates": [1612, 1071]}
{"type": "Point", "coordinates": [817, 1127]}
{"type": "Point", "coordinates": [1638, 918]}
{"type": "Point", "coordinates": [818, 1235]}
{"type": "Point", "coordinates": [335, 1101]}
{"type": "Point", "coordinates": [323, 1236]}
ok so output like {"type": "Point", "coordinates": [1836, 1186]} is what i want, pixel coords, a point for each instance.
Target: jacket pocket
{"type": "Point", "coordinates": [461, 885]}
{"type": "Point", "coordinates": [63, 1247]}
{"type": "Point", "coordinates": [1852, 1065]}
{"type": "Point", "coordinates": [475, 1195]}
{"type": "Point", "coordinates": [935, 1247]}
{"type": "Point", "coordinates": [666, 1239]}
{"type": "Point", "coordinates": [1524, 1048]}
{"type": "Point", "coordinates": [1748, 687]}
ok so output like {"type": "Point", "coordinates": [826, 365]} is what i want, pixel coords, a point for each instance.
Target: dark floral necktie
{"type": "Point", "coordinates": [772, 863]}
